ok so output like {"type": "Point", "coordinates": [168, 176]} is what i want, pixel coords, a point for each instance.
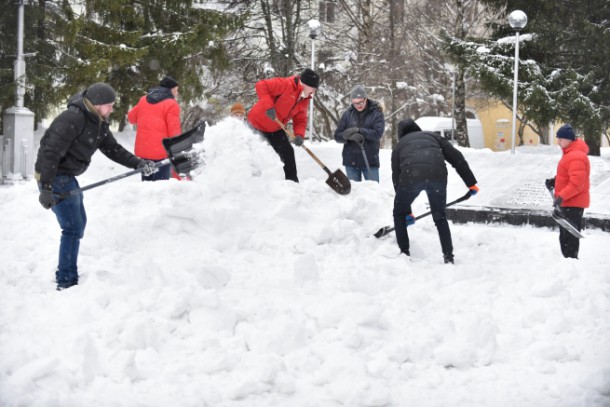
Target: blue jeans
{"type": "Point", "coordinates": [72, 219]}
{"type": "Point", "coordinates": [161, 175]}
{"type": "Point", "coordinates": [356, 174]}
{"type": "Point", "coordinates": [437, 198]}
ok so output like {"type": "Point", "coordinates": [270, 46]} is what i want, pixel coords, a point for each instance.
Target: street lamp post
{"type": "Point", "coordinates": [314, 31]}
{"type": "Point", "coordinates": [517, 20]}
{"type": "Point", "coordinates": [17, 141]}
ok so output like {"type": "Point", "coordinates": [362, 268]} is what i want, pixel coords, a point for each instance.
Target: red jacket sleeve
{"type": "Point", "coordinates": [173, 120]}
{"type": "Point", "coordinates": [132, 115]}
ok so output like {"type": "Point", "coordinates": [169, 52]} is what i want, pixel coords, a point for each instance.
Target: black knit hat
{"type": "Point", "coordinates": [310, 78]}
{"type": "Point", "coordinates": [100, 94]}
{"type": "Point", "coordinates": [168, 82]}
{"type": "Point", "coordinates": [566, 131]}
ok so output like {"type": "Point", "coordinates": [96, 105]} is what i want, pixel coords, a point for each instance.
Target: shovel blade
{"type": "Point", "coordinates": [176, 147]}
{"type": "Point", "coordinates": [384, 231]}
{"type": "Point", "coordinates": [339, 182]}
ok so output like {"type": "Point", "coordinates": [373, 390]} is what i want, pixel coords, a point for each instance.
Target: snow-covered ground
{"type": "Point", "coordinates": [242, 289]}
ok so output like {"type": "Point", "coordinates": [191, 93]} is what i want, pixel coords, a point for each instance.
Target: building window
{"type": "Point", "coordinates": [328, 11]}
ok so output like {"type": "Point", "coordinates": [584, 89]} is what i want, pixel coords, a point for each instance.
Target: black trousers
{"type": "Point", "coordinates": [570, 244]}
{"type": "Point", "coordinates": [280, 143]}
{"type": "Point", "coordinates": [437, 198]}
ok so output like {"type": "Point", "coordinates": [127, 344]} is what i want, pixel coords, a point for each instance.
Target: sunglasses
{"type": "Point", "coordinates": [358, 104]}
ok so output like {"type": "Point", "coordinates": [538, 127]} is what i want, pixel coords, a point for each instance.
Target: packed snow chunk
{"type": "Point", "coordinates": [147, 363]}
{"type": "Point", "coordinates": [306, 270]}
{"type": "Point", "coordinates": [24, 378]}
{"type": "Point", "coordinates": [215, 359]}
{"type": "Point", "coordinates": [219, 318]}
{"type": "Point", "coordinates": [280, 333]}
{"type": "Point", "coordinates": [360, 392]}
{"type": "Point", "coordinates": [211, 277]}
{"type": "Point", "coordinates": [600, 382]}
{"type": "Point", "coordinates": [474, 344]}
{"type": "Point", "coordinates": [549, 351]}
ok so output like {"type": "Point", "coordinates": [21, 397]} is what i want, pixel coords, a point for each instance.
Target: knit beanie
{"type": "Point", "coordinates": [238, 108]}
{"type": "Point", "coordinates": [168, 82]}
{"type": "Point", "coordinates": [100, 94]}
{"type": "Point", "coordinates": [310, 78]}
{"type": "Point", "coordinates": [566, 132]}
{"type": "Point", "coordinates": [358, 92]}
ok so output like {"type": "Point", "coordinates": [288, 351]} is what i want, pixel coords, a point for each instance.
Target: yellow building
{"type": "Point", "coordinates": [496, 120]}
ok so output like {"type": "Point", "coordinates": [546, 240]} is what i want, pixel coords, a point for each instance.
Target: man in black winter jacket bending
{"type": "Point", "coordinates": [65, 152]}
{"type": "Point", "coordinates": [418, 164]}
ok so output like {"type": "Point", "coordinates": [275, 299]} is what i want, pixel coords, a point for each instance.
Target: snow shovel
{"type": "Point", "coordinates": [366, 160]}
{"type": "Point", "coordinates": [337, 180]}
{"type": "Point", "coordinates": [562, 221]}
{"type": "Point", "coordinates": [388, 229]}
{"type": "Point", "coordinates": [176, 146]}
{"type": "Point", "coordinates": [179, 157]}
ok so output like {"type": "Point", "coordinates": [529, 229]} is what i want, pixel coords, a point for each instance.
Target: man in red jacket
{"type": "Point", "coordinates": [157, 116]}
{"type": "Point", "coordinates": [571, 186]}
{"type": "Point", "coordinates": [287, 99]}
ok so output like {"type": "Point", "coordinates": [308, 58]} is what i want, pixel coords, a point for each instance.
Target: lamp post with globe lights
{"type": "Point", "coordinates": [517, 20]}
{"type": "Point", "coordinates": [314, 31]}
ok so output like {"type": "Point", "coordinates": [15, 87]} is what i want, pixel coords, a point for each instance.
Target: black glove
{"type": "Point", "coordinates": [557, 202]}
{"type": "Point", "coordinates": [349, 132]}
{"type": "Point", "coordinates": [271, 113]}
{"type": "Point", "coordinates": [356, 137]}
{"type": "Point", "coordinates": [298, 141]}
{"type": "Point", "coordinates": [149, 167]}
{"type": "Point", "coordinates": [550, 183]}
{"type": "Point", "coordinates": [46, 198]}
{"type": "Point", "coordinates": [557, 205]}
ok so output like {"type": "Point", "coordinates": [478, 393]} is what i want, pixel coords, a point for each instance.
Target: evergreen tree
{"type": "Point", "coordinates": [127, 43]}
{"type": "Point", "coordinates": [564, 65]}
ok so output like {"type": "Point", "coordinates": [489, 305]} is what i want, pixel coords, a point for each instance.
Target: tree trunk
{"type": "Point", "coordinates": [461, 125]}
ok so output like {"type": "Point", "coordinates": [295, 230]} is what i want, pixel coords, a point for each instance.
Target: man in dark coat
{"type": "Point", "coordinates": [418, 164]}
{"type": "Point", "coordinates": [360, 129]}
{"type": "Point", "coordinates": [65, 152]}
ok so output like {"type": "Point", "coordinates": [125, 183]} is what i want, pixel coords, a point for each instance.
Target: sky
{"type": "Point", "coordinates": [242, 289]}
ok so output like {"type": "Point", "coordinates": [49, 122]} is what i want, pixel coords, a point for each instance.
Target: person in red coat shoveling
{"type": "Point", "coordinates": [286, 99]}
{"type": "Point", "coordinates": [157, 116]}
{"type": "Point", "coordinates": [571, 185]}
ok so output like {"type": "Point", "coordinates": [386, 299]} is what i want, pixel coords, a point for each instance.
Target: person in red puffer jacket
{"type": "Point", "coordinates": [157, 116]}
{"type": "Point", "coordinates": [286, 99]}
{"type": "Point", "coordinates": [571, 186]}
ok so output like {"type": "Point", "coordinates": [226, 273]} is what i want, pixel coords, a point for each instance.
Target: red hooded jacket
{"type": "Point", "coordinates": [572, 180]}
{"type": "Point", "coordinates": [157, 116]}
{"type": "Point", "coordinates": [284, 94]}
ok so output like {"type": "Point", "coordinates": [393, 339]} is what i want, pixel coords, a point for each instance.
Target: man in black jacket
{"type": "Point", "coordinates": [418, 164]}
{"type": "Point", "coordinates": [360, 129]}
{"type": "Point", "coordinates": [65, 152]}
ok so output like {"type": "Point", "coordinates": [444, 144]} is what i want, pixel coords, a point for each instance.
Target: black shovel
{"type": "Point", "coordinates": [558, 217]}
{"type": "Point", "coordinates": [337, 180]}
{"type": "Point", "coordinates": [179, 157]}
{"type": "Point", "coordinates": [388, 229]}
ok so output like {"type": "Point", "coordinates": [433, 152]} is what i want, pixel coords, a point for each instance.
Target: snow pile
{"type": "Point", "coordinates": [242, 289]}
